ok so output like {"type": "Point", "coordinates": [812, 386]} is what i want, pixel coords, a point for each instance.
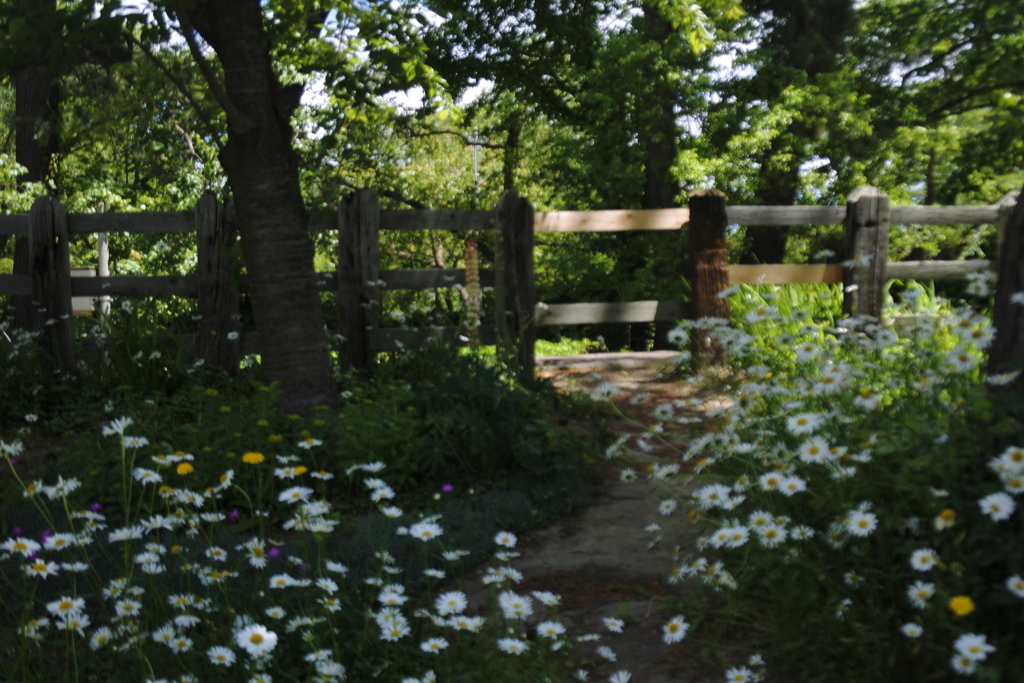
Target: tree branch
{"type": "Point", "coordinates": [955, 105]}
{"type": "Point", "coordinates": [188, 142]}
{"type": "Point", "coordinates": [935, 61]}
{"type": "Point", "coordinates": [173, 78]}
{"type": "Point", "coordinates": [237, 118]}
{"type": "Point", "coordinates": [459, 134]}
{"type": "Point", "coordinates": [390, 194]}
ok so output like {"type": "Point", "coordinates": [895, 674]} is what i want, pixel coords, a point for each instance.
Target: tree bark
{"type": "Point", "coordinates": [660, 139]}
{"type": "Point", "coordinates": [36, 136]}
{"type": "Point", "coordinates": [768, 242]}
{"type": "Point", "coordinates": [1007, 352]}
{"type": "Point", "coordinates": [510, 161]}
{"type": "Point", "coordinates": [262, 169]}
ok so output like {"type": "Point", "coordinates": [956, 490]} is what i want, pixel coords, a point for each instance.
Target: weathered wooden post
{"type": "Point", "coordinates": [1006, 204]}
{"type": "Point", "coordinates": [50, 269]}
{"type": "Point", "coordinates": [103, 264]}
{"type": "Point", "coordinates": [708, 260]}
{"type": "Point", "coordinates": [359, 275]}
{"type": "Point", "coordinates": [21, 305]}
{"type": "Point", "coordinates": [1007, 350]}
{"type": "Point", "coordinates": [866, 252]}
{"type": "Point", "coordinates": [515, 289]}
{"type": "Point", "coordinates": [219, 342]}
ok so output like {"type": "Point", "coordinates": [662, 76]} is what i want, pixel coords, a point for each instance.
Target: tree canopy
{"type": "Point", "coordinates": [579, 104]}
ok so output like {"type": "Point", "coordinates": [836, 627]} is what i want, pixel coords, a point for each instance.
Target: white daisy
{"type": "Point", "coordinates": [999, 506]}
{"type": "Point", "coordinates": [512, 646]}
{"type": "Point", "coordinates": [912, 630]}
{"type": "Point", "coordinates": [256, 640]}
{"type": "Point", "coordinates": [924, 559]}
{"type": "Point", "coordinates": [675, 630]}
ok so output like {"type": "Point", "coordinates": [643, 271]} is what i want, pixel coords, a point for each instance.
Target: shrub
{"type": "Point", "coordinates": [860, 489]}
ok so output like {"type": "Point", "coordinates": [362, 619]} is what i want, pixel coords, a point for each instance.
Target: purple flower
{"type": "Point", "coordinates": [96, 507]}
{"type": "Point", "coordinates": [273, 552]}
{"type": "Point", "coordinates": [234, 514]}
{"type": "Point", "coordinates": [447, 488]}
{"type": "Point", "coordinates": [45, 535]}
{"type": "Point", "coordinates": [17, 531]}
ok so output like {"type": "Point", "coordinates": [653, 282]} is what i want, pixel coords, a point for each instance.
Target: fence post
{"type": "Point", "coordinates": [50, 269]}
{"type": "Point", "coordinates": [21, 306]}
{"type": "Point", "coordinates": [217, 269]}
{"type": "Point", "coordinates": [1006, 206]}
{"type": "Point", "coordinates": [1007, 350]}
{"type": "Point", "coordinates": [515, 289]}
{"type": "Point", "coordinates": [359, 275]}
{"type": "Point", "coordinates": [103, 264]}
{"type": "Point", "coordinates": [708, 260]}
{"type": "Point", "coordinates": [866, 252]}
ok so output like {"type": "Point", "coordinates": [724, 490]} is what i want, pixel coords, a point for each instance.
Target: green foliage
{"type": "Point", "coordinates": [473, 426]}
{"type": "Point", "coordinates": [433, 417]}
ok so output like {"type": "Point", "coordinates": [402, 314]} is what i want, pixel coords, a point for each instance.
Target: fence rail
{"type": "Point", "coordinates": [359, 281]}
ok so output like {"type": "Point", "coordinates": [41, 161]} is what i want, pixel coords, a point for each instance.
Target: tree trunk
{"type": "Point", "coordinates": [262, 169]}
{"type": "Point", "coordinates": [36, 136]}
{"type": "Point", "coordinates": [1007, 352]}
{"type": "Point", "coordinates": [510, 161]}
{"type": "Point", "coordinates": [768, 242]}
{"type": "Point", "coordinates": [660, 138]}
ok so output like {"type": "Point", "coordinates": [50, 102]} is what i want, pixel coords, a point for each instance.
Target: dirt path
{"type": "Point", "coordinates": [600, 560]}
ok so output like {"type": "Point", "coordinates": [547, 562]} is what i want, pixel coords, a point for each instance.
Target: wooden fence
{"type": "Point", "coordinates": [44, 294]}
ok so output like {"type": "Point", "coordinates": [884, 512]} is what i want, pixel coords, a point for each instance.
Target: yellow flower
{"type": "Point", "coordinates": [300, 469]}
{"type": "Point", "coordinates": [212, 392]}
{"type": "Point", "coordinates": [275, 438]}
{"type": "Point", "coordinates": [252, 458]}
{"type": "Point", "coordinates": [961, 605]}
{"type": "Point", "coordinates": [262, 423]}
{"type": "Point", "coordinates": [185, 468]}
{"type": "Point", "coordinates": [225, 409]}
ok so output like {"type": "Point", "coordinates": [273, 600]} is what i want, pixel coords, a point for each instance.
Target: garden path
{"type": "Point", "coordinates": [599, 559]}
